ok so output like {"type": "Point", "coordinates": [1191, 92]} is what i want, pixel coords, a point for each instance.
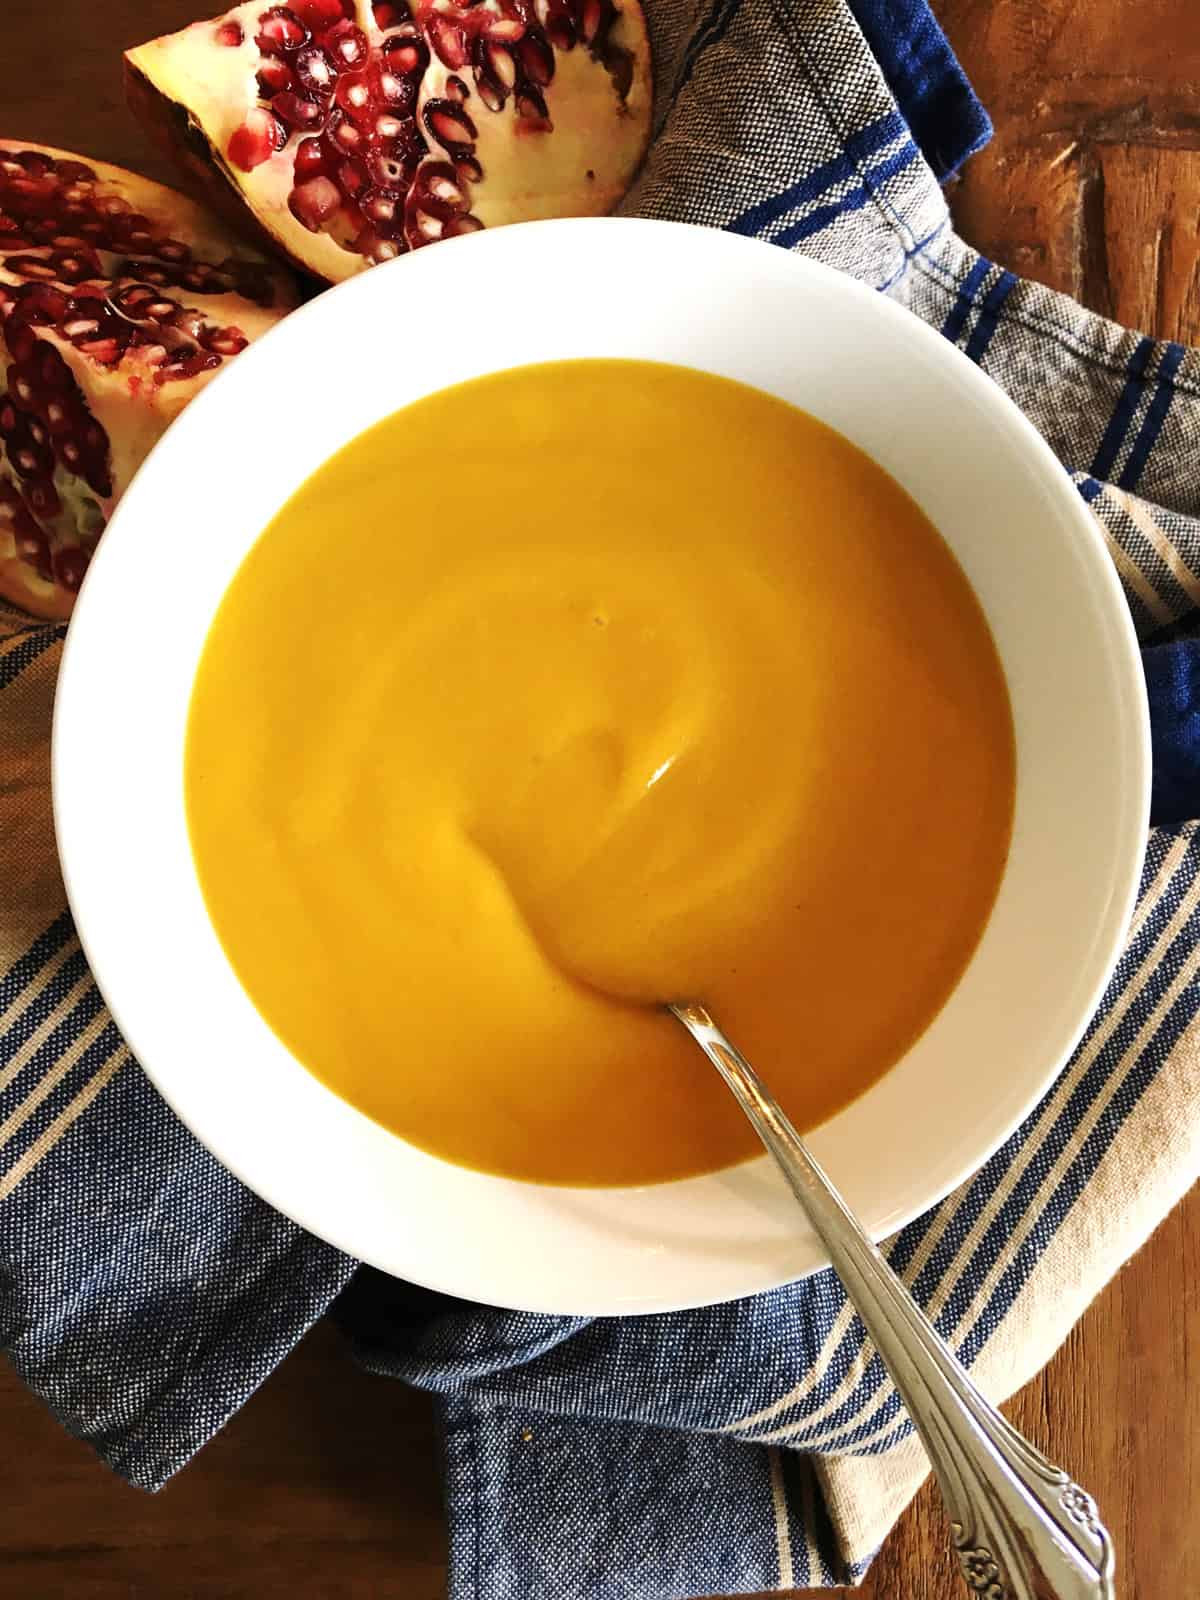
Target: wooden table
{"type": "Point", "coordinates": [325, 1486]}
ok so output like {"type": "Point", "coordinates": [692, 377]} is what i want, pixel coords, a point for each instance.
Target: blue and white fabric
{"type": "Point", "coordinates": [752, 1446]}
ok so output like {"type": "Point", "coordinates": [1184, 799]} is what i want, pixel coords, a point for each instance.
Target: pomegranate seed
{"type": "Point", "coordinates": [203, 280]}
{"type": "Point", "coordinates": [389, 12]}
{"type": "Point", "coordinates": [257, 140]}
{"type": "Point", "coordinates": [8, 419]}
{"type": "Point", "coordinates": [591, 16]}
{"type": "Point", "coordinates": [379, 206]}
{"type": "Point", "coordinates": [226, 341]}
{"type": "Point", "coordinates": [70, 566]}
{"type": "Point", "coordinates": [50, 371]}
{"type": "Point", "coordinates": [160, 276]}
{"type": "Point", "coordinates": [29, 267]}
{"type": "Point", "coordinates": [132, 299]}
{"type": "Point", "coordinates": [347, 44]}
{"type": "Point", "coordinates": [43, 231]}
{"type": "Point", "coordinates": [31, 458]}
{"type": "Point", "coordinates": [135, 227]}
{"type": "Point", "coordinates": [316, 70]}
{"type": "Point", "coordinates": [353, 94]}
{"type": "Point", "coordinates": [191, 322]}
{"type": "Point", "coordinates": [280, 29]}
{"type": "Point", "coordinates": [21, 340]}
{"type": "Point", "coordinates": [310, 160]}
{"type": "Point", "coordinates": [460, 225]}
{"type": "Point", "coordinates": [321, 14]}
{"type": "Point", "coordinates": [531, 108]}
{"type": "Point", "coordinates": [428, 227]}
{"type": "Point", "coordinates": [468, 169]}
{"type": "Point", "coordinates": [306, 116]}
{"type": "Point", "coordinates": [388, 127]}
{"type": "Point", "coordinates": [505, 30]}
{"type": "Point", "coordinates": [399, 94]}
{"type": "Point", "coordinates": [619, 65]}
{"type": "Point", "coordinates": [43, 499]}
{"type": "Point", "coordinates": [449, 124]}
{"type": "Point", "coordinates": [20, 385]}
{"type": "Point", "coordinates": [537, 59]}
{"type": "Point", "coordinates": [352, 179]}
{"type": "Point", "coordinates": [343, 138]}
{"type": "Point", "coordinates": [35, 163]}
{"type": "Point", "coordinates": [440, 193]}
{"type": "Point", "coordinates": [72, 172]}
{"type": "Point", "coordinates": [449, 42]}
{"type": "Point", "coordinates": [490, 92]}
{"type": "Point", "coordinates": [389, 172]}
{"type": "Point", "coordinates": [504, 68]}
{"type": "Point", "coordinates": [70, 268]}
{"type": "Point", "coordinates": [561, 33]}
{"type": "Point", "coordinates": [314, 202]}
{"type": "Point", "coordinates": [98, 476]}
{"type": "Point", "coordinates": [376, 249]}
{"type": "Point", "coordinates": [457, 90]}
{"type": "Point", "coordinates": [44, 304]}
{"type": "Point", "coordinates": [189, 366]}
{"type": "Point", "coordinates": [33, 546]}
{"type": "Point", "coordinates": [31, 541]}
{"type": "Point", "coordinates": [405, 54]}
{"type": "Point", "coordinates": [230, 34]}
{"type": "Point", "coordinates": [106, 351]}
{"type": "Point", "coordinates": [172, 250]}
{"type": "Point", "coordinates": [13, 511]}
{"type": "Point", "coordinates": [274, 76]}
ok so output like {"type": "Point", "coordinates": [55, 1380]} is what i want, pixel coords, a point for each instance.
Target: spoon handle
{"type": "Point", "coordinates": [1022, 1529]}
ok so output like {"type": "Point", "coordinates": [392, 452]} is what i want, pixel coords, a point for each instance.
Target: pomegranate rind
{"type": "Point", "coordinates": [126, 400]}
{"type": "Point", "coordinates": [195, 92]}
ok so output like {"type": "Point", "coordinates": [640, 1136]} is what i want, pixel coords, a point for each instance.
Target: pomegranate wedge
{"type": "Point", "coordinates": [354, 130]}
{"type": "Point", "coordinates": [119, 300]}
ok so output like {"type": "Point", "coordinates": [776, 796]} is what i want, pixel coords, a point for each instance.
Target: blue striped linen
{"type": "Point", "coordinates": [752, 1446]}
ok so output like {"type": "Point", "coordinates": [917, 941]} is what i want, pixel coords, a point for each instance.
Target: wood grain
{"type": "Point", "coordinates": [325, 1486]}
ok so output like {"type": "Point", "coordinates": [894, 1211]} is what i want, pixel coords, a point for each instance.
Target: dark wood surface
{"type": "Point", "coordinates": [325, 1486]}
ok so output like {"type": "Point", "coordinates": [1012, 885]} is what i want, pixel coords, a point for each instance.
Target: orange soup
{"type": "Point", "coordinates": [571, 691]}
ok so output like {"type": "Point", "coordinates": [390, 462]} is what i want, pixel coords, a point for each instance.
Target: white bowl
{"type": "Point", "coordinates": [546, 291]}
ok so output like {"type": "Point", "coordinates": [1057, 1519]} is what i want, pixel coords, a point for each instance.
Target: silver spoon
{"type": "Point", "coordinates": [1022, 1530]}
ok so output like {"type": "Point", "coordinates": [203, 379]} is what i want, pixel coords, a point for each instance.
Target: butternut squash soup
{"type": "Point", "coordinates": [570, 691]}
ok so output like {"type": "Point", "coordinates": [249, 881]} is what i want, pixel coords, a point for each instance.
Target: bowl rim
{"type": "Point", "coordinates": [73, 694]}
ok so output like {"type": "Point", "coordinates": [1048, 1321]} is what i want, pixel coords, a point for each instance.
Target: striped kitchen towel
{"type": "Point", "coordinates": [752, 1446]}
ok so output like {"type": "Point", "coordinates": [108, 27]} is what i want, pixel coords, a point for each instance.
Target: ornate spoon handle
{"type": "Point", "coordinates": [1022, 1529]}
